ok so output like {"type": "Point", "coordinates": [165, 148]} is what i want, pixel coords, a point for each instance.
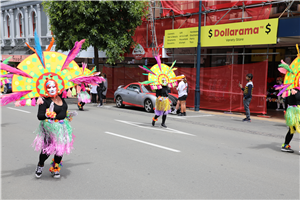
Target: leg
{"type": "Point", "coordinates": [55, 168]}
{"type": "Point", "coordinates": [164, 117]}
{"type": "Point", "coordinates": [184, 107]}
{"type": "Point", "coordinates": [39, 169]}
{"type": "Point", "coordinates": [246, 107]}
{"type": "Point", "coordinates": [154, 119]}
{"type": "Point", "coordinates": [286, 147]}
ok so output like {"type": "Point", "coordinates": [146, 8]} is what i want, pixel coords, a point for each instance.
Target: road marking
{"type": "Point", "coordinates": [137, 124]}
{"type": "Point", "coordinates": [148, 143]}
{"type": "Point", "coordinates": [189, 116]}
{"type": "Point", "coordinates": [19, 110]}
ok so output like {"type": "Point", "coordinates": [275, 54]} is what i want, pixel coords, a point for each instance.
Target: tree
{"type": "Point", "coordinates": [106, 25]}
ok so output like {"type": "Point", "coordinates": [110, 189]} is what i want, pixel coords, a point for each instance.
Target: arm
{"type": "Point", "coordinates": [42, 111]}
{"type": "Point", "coordinates": [249, 91]}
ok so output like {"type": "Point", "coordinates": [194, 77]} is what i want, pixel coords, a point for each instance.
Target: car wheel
{"type": "Point", "coordinates": [148, 105]}
{"type": "Point", "coordinates": [119, 102]}
{"type": "Point", "coordinates": [4, 89]}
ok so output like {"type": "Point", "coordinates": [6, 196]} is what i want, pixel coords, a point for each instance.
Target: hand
{"type": "Point", "coordinates": [70, 119]}
{"type": "Point", "coordinates": [50, 114]}
{"type": "Point", "coordinates": [240, 85]}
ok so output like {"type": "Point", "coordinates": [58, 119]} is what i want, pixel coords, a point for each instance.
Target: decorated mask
{"type": "Point", "coordinates": [51, 88]}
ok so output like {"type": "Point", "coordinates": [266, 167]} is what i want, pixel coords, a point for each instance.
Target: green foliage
{"type": "Point", "coordinates": [107, 25]}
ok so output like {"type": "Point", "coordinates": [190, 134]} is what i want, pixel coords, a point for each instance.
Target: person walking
{"type": "Point", "coordinates": [182, 95]}
{"type": "Point", "coordinates": [100, 91]}
{"type": "Point", "coordinates": [104, 89]}
{"type": "Point", "coordinates": [94, 93]}
{"type": "Point", "coordinates": [247, 96]}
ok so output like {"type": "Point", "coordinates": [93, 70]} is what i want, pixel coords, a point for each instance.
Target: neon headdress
{"type": "Point", "coordinates": [292, 77]}
{"type": "Point", "coordinates": [46, 68]}
{"type": "Point", "coordinates": [160, 75]}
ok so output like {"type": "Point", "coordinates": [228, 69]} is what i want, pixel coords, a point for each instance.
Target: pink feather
{"type": "Point", "coordinates": [14, 70]}
{"type": "Point", "coordinates": [158, 61]}
{"type": "Point", "coordinates": [147, 70]}
{"type": "Point", "coordinates": [282, 70]}
{"type": "Point", "coordinates": [33, 102]}
{"type": "Point", "coordinates": [83, 67]}
{"type": "Point", "coordinates": [88, 79]}
{"type": "Point", "coordinates": [73, 53]}
{"type": "Point", "coordinates": [40, 101]}
{"type": "Point", "coordinates": [283, 62]}
{"type": "Point", "coordinates": [6, 99]}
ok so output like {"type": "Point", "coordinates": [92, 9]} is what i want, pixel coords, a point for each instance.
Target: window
{"type": "Point", "coordinates": [20, 24]}
{"type": "Point", "coordinates": [133, 87]}
{"type": "Point", "coordinates": [33, 22]}
{"type": "Point", "coordinates": [8, 27]}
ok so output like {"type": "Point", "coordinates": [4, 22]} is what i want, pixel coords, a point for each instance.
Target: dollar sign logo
{"type": "Point", "coordinates": [268, 28]}
{"type": "Point", "coordinates": [210, 32]}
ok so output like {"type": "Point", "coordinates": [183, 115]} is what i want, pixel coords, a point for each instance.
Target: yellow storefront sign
{"type": "Point", "coordinates": [243, 33]}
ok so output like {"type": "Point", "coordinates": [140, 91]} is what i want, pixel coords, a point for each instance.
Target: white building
{"type": "Point", "coordinates": [19, 19]}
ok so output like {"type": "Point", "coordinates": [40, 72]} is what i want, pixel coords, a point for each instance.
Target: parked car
{"type": "Point", "coordinates": [136, 94]}
{"type": "Point", "coordinates": [6, 88]}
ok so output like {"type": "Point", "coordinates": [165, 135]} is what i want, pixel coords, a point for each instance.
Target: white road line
{"type": "Point", "coordinates": [157, 129]}
{"type": "Point", "coordinates": [148, 143]}
{"type": "Point", "coordinates": [19, 110]}
{"type": "Point", "coordinates": [189, 116]}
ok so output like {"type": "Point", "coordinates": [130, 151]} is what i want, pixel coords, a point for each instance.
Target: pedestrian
{"type": "Point", "coordinates": [83, 97]}
{"type": "Point", "coordinates": [182, 95]}
{"type": "Point", "coordinates": [94, 93]}
{"type": "Point", "coordinates": [100, 91]}
{"type": "Point", "coordinates": [279, 98]}
{"type": "Point", "coordinates": [162, 104]}
{"type": "Point", "coordinates": [104, 89]}
{"type": "Point", "coordinates": [247, 96]}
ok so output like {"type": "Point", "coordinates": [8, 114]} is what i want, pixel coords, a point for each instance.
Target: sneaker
{"type": "Point", "coordinates": [164, 126]}
{"type": "Point", "coordinates": [38, 171]}
{"type": "Point", "coordinates": [153, 122]}
{"type": "Point", "coordinates": [174, 112]}
{"type": "Point", "coordinates": [55, 174]}
{"type": "Point", "coordinates": [180, 114]}
{"type": "Point", "coordinates": [99, 105]}
{"type": "Point", "coordinates": [286, 148]}
{"type": "Point", "coordinates": [184, 114]}
{"type": "Point", "coordinates": [247, 120]}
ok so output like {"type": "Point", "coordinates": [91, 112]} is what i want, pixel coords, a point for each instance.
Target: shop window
{"type": "Point", "coordinates": [8, 26]}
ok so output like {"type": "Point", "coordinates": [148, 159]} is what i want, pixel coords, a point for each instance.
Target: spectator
{"type": "Point", "coordinates": [182, 95]}
{"type": "Point", "coordinates": [247, 96]}
{"type": "Point", "coordinates": [104, 89]}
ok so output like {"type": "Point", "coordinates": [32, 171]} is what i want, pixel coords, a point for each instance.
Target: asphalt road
{"type": "Point", "coordinates": [118, 155]}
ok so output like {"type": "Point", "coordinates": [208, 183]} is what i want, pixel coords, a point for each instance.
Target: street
{"type": "Point", "coordinates": [119, 155]}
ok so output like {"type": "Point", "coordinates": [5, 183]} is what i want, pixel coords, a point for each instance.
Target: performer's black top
{"type": "Point", "coordinates": [162, 92]}
{"type": "Point", "coordinates": [61, 111]}
{"type": "Point", "coordinates": [293, 100]}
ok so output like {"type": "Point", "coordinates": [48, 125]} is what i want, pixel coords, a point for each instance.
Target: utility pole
{"type": "Point", "coordinates": [197, 90]}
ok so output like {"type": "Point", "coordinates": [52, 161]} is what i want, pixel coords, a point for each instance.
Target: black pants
{"type": "Point", "coordinates": [82, 103]}
{"type": "Point", "coordinates": [164, 117]}
{"type": "Point", "coordinates": [44, 157]}
{"type": "Point", "coordinates": [100, 96]}
{"type": "Point", "coordinates": [94, 98]}
{"type": "Point", "coordinates": [288, 137]}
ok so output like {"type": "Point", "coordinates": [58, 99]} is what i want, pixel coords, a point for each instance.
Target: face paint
{"type": "Point", "coordinates": [51, 88]}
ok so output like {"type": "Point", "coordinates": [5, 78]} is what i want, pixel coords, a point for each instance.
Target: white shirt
{"type": "Point", "coordinates": [94, 89]}
{"type": "Point", "coordinates": [182, 89]}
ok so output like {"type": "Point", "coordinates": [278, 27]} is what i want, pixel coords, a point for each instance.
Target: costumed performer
{"type": "Point", "coordinates": [290, 90]}
{"type": "Point", "coordinates": [46, 75]}
{"type": "Point", "coordinates": [161, 77]}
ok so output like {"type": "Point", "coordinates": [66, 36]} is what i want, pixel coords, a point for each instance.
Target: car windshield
{"type": "Point", "coordinates": [146, 88]}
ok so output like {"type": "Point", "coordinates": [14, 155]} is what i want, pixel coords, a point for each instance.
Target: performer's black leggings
{"type": "Point", "coordinates": [288, 137]}
{"type": "Point", "coordinates": [44, 157]}
{"type": "Point", "coordinates": [82, 103]}
{"type": "Point", "coordinates": [164, 117]}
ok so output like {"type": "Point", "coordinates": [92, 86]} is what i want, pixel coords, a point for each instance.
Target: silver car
{"type": "Point", "coordinates": [136, 94]}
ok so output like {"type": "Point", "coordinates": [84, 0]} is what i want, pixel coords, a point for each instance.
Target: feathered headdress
{"type": "Point", "coordinates": [160, 74]}
{"type": "Point", "coordinates": [292, 77]}
{"type": "Point", "coordinates": [30, 76]}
